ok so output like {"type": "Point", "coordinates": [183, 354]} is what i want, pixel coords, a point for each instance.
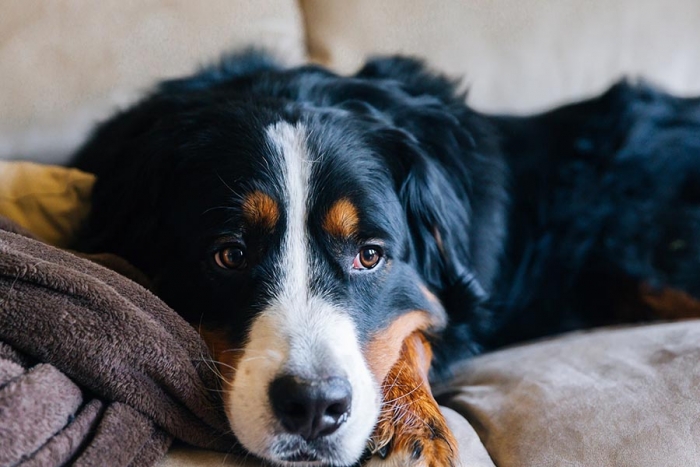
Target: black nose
{"type": "Point", "coordinates": [311, 408]}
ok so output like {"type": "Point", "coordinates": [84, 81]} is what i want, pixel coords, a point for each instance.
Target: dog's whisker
{"type": "Point", "coordinates": [243, 350]}
{"type": "Point", "coordinates": [394, 383]}
{"type": "Point", "coordinates": [225, 365]}
{"type": "Point", "coordinates": [227, 208]}
{"type": "Point", "coordinates": [213, 365]}
{"type": "Point", "coordinates": [227, 185]}
{"type": "Point", "coordinates": [406, 394]}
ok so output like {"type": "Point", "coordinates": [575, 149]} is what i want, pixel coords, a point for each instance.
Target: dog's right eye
{"type": "Point", "coordinates": [231, 257]}
{"type": "Point", "coordinates": [368, 257]}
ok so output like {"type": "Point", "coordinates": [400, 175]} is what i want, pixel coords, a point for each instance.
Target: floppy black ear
{"type": "Point", "coordinates": [451, 179]}
{"type": "Point", "coordinates": [440, 224]}
{"type": "Point", "coordinates": [456, 232]}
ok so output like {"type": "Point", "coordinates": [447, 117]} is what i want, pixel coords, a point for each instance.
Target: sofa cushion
{"type": "Point", "coordinates": [609, 397]}
{"type": "Point", "coordinates": [66, 63]}
{"type": "Point", "coordinates": [472, 452]}
{"type": "Point", "coordinates": [518, 55]}
{"type": "Point", "coordinates": [615, 397]}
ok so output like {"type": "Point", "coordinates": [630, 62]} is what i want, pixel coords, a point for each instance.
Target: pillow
{"type": "Point", "coordinates": [610, 397]}
{"type": "Point", "coordinates": [49, 201]}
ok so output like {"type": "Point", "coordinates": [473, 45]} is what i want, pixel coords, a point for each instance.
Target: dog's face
{"type": "Point", "coordinates": [301, 251]}
{"type": "Point", "coordinates": [304, 240]}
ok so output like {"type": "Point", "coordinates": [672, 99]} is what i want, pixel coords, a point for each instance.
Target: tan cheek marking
{"type": "Point", "coordinates": [432, 298]}
{"type": "Point", "coordinates": [342, 219]}
{"type": "Point", "coordinates": [260, 209]}
{"type": "Point", "coordinates": [225, 353]}
{"type": "Point", "coordinates": [384, 349]}
{"type": "Point", "coordinates": [439, 318]}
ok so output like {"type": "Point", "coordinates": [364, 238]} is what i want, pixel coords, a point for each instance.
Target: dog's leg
{"type": "Point", "coordinates": [411, 430]}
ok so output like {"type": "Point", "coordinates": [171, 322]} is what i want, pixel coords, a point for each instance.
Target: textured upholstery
{"type": "Point", "coordinates": [66, 63]}
{"type": "Point", "coordinates": [518, 55]}
{"type": "Point", "coordinates": [605, 398]}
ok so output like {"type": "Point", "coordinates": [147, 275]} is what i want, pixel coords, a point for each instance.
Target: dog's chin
{"type": "Point", "coordinates": [283, 449]}
{"type": "Point", "coordinates": [289, 450]}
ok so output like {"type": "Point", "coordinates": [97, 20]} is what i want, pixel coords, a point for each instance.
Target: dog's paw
{"type": "Point", "coordinates": [429, 445]}
{"type": "Point", "coordinates": [411, 431]}
{"type": "Point", "coordinates": [412, 438]}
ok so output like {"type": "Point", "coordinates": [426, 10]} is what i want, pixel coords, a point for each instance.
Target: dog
{"type": "Point", "coordinates": [341, 241]}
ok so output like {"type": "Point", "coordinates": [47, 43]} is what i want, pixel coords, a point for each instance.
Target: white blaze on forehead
{"type": "Point", "coordinates": [290, 143]}
{"type": "Point", "coordinates": [299, 332]}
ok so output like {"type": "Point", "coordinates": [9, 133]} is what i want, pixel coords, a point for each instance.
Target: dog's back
{"type": "Point", "coordinates": [605, 206]}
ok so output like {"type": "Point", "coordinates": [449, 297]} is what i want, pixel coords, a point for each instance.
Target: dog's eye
{"type": "Point", "coordinates": [231, 257]}
{"type": "Point", "coordinates": [367, 258]}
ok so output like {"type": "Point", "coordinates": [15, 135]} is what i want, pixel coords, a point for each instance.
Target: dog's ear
{"type": "Point", "coordinates": [450, 177]}
{"type": "Point", "coordinates": [456, 231]}
{"type": "Point", "coordinates": [440, 223]}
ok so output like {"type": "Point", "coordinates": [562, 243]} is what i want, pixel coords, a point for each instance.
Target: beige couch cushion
{"type": "Point", "coordinates": [518, 55]}
{"type": "Point", "coordinates": [66, 63]}
{"type": "Point", "coordinates": [623, 397]}
{"type": "Point", "coordinates": [472, 452]}
{"type": "Point", "coordinates": [607, 398]}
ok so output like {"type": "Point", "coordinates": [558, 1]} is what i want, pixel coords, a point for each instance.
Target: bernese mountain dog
{"type": "Point", "coordinates": [341, 241]}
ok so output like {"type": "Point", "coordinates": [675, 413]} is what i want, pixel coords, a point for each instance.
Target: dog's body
{"type": "Point", "coordinates": [605, 209]}
{"type": "Point", "coordinates": [317, 228]}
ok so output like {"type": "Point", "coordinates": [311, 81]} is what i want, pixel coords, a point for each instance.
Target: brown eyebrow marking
{"type": "Point", "coordinates": [260, 209]}
{"type": "Point", "coordinates": [342, 219]}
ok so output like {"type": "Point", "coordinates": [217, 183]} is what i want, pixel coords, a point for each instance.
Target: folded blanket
{"type": "Point", "coordinates": [94, 369]}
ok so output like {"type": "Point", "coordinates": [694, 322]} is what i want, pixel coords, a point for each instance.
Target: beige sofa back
{"type": "Point", "coordinates": [65, 64]}
{"type": "Point", "coordinates": [519, 55]}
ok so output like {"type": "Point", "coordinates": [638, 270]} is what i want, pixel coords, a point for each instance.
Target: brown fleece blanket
{"type": "Point", "coordinates": [94, 369]}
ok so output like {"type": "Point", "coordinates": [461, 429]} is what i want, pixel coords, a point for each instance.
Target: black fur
{"type": "Point", "coordinates": [522, 226]}
{"type": "Point", "coordinates": [604, 197]}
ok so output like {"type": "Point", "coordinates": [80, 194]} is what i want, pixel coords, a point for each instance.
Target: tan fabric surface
{"type": "Point", "coordinates": [66, 63]}
{"type": "Point", "coordinates": [518, 55]}
{"type": "Point", "coordinates": [472, 452]}
{"type": "Point", "coordinates": [623, 398]}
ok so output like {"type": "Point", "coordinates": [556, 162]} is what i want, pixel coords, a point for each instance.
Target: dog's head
{"type": "Point", "coordinates": [306, 223]}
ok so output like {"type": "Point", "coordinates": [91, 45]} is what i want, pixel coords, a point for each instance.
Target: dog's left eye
{"type": "Point", "coordinates": [231, 257]}
{"type": "Point", "coordinates": [368, 257]}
